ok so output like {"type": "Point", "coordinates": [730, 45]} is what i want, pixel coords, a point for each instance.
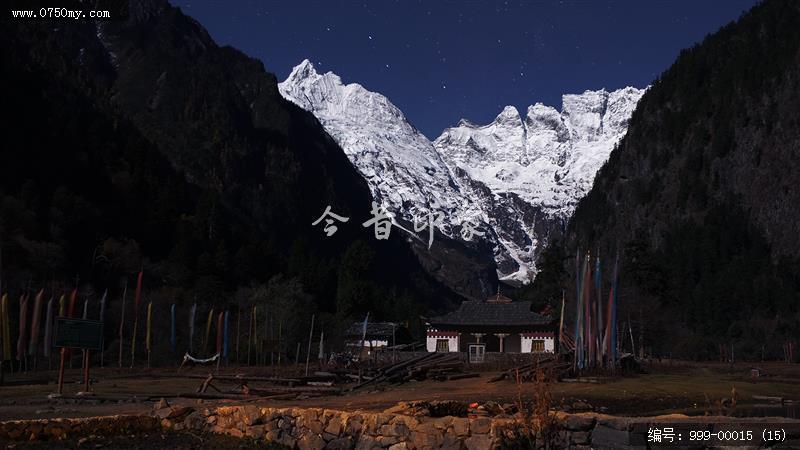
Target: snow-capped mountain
{"type": "Point", "coordinates": [539, 166]}
{"type": "Point", "coordinates": [404, 170]}
{"type": "Point", "coordinates": [517, 179]}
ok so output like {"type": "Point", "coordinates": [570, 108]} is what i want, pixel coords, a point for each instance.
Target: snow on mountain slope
{"type": "Point", "coordinates": [548, 158]}
{"type": "Point", "coordinates": [518, 178]}
{"type": "Point", "coordinates": [404, 171]}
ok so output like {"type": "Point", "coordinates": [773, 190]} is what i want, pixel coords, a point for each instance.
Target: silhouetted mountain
{"type": "Point", "coordinates": [701, 198]}
{"type": "Point", "coordinates": [144, 143]}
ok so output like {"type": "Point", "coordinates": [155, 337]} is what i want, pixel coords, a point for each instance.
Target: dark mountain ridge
{"type": "Point", "coordinates": [143, 143]}
{"type": "Point", "coordinates": [701, 198]}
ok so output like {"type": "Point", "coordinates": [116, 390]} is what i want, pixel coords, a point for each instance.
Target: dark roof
{"type": "Point", "coordinates": [476, 312]}
{"type": "Point", "coordinates": [375, 329]}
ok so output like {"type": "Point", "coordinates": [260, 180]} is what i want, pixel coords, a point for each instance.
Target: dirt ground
{"type": "Point", "coordinates": [676, 387]}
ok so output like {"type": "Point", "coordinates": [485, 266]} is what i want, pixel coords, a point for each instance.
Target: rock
{"type": "Point", "coordinates": [481, 425]}
{"type": "Point", "coordinates": [311, 441]}
{"type": "Point", "coordinates": [603, 436]}
{"type": "Point", "coordinates": [399, 446]}
{"type": "Point", "coordinates": [579, 437]}
{"type": "Point", "coordinates": [251, 415]}
{"type": "Point", "coordinates": [273, 435]}
{"type": "Point", "coordinates": [479, 442]}
{"type": "Point", "coordinates": [163, 413]}
{"type": "Point", "coordinates": [576, 422]}
{"type": "Point", "coordinates": [460, 426]}
{"type": "Point", "coordinates": [334, 425]}
{"type": "Point", "coordinates": [255, 431]}
{"type": "Point", "coordinates": [399, 408]}
{"type": "Point", "coordinates": [343, 443]}
{"type": "Point", "coordinates": [161, 404]}
{"type": "Point", "coordinates": [366, 442]}
{"type": "Point", "coordinates": [179, 412]}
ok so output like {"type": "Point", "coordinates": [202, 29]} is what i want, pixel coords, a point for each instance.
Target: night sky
{"type": "Point", "coordinates": [441, 61]}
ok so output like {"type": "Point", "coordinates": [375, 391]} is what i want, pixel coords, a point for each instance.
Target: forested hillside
{"type": "Point", "coordinates": [701, 200]}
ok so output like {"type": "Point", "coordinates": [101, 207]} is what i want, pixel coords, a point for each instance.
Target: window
{"type": "Point", "coordinates": [476, 352]}
{"type": "Point", "coordinates": [443, 345]}
{"type": "Point", "coordinates": [537, 346]}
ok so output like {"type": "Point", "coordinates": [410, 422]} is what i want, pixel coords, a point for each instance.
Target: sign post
{"type": "Point", "coordinates": [77, 333]}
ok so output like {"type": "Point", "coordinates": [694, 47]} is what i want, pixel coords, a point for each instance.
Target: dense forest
{"type": "Point", "coordinates": [700, 199]}
{"type": "Point", "coordinates": [144, 146]}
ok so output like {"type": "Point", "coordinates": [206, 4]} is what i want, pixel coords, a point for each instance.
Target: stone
{"type": "Point", "coordinates": [604, 436]}
{"type": "Point", "coordinates": [451, 441]}
{"type": "Point", "coordinates": [399, 408]}
{"type": "Point", "coordinates": [460, 426]}
{"type": "Point", "coordinates": [426, 440]}
{"type": "Point", "coordinates": [366, 442]}
{"type": "Point", "coordinates": [315, 426]}
{"type": "Point", "coordinates": [386, 441]}
{"type": "Point", "coordinates": [273, 435]}
{"type": "Point", "coordinates": [163, 413]}
{"type": "Point", "coordinates": [481, 425]}
{"type": "Point", "coordinates": [311, 441]}
{"type": "Point", "coordinates": [394, 430]}
{"type": "Point", "coordinates": [179, 412]}
{"type": "Point", "coordinates": [399, 446]}
{"type": "Point", "coordinates": [479, 442]}
{"type": "Point", "coordinates": [161, 404]}
{"type": "Point", "coordinates": [579, 437]}
{"type": "Point", "coordinates": [255, 431]}
{"type": "Point", "coordinates": [342, 443]}
{"type": "Point", "coordinates": [251, 415]}
{"type": "Point", "coordinates": [334, 425]}
{"type": "Point", "coordinates": [577, 422]}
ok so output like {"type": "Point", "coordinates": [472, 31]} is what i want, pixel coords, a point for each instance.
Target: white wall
{"type": "Point", "coordinates": [549, 343]}
{"type": "Point", "coordinates": [430, 342]}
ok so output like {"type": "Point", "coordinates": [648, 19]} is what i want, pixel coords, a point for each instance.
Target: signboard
{"type": "Point", "coordinates": [78, 333]}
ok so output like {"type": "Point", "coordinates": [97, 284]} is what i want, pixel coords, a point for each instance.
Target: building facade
{"type": "Point", "coordinates": [497, 324]}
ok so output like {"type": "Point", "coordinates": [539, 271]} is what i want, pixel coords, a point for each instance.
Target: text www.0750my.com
{"type": "Point", "coordinates": [60, 13]}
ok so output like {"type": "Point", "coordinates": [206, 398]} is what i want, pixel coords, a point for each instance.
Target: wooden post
{"type": "Point", "coordinates": [61, 371]}
{"type": "Point", "coordinates": [86, 356]}
{"type": "Point", "coordinates": [310, 338]}
{"type": "Point", "coordinates": [250, 338]}
{"type": "Point", "coordinates": [238, 322]}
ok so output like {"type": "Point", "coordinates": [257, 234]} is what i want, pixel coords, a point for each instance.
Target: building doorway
{"type": "Point", "coordinates": [476, 353]}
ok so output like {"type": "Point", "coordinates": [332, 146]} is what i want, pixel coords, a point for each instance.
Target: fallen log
{"type": "Point", "coordinates": [462, 376]}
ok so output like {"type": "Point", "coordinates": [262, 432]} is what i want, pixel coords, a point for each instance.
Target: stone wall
{"type": "Point", "coordinates": [318, 429]}
{"type": "Point", "coordinates": [59, 429]}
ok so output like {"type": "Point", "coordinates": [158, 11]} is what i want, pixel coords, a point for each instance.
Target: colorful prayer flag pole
{"type": "Point", "coordinates": [148, 341]}
{"type": "Point", "coordinates": [225, 340]}
{"type": "Point", "coordinates": [122, 323]}
{"type": "Point", "coordinates": [192, 313]}
{"type": "Point", "coordinates": [209, 322]}
{"type": "Point", "coordinates": [33, 343]}
{"type": "Point", "coordinates": [48, 329]}
{"type": "Point", "coordinates": [22, 339]}
{"type": "Point", "coordinates": [220, 331]}
{"type": "Point", "coordinates": [172, 338]}
{"type": "Point", "coordinates": [6, 323]}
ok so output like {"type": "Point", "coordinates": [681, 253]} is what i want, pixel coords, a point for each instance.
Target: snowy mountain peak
{"type": "Point", "coordinates": [509, 114]}
{"type": "Point", "coordinates": [404, 171]}
{"type": "Point", "coordinates": [302, 71]}
{"type": "Point", "coordinates": [518, 178]}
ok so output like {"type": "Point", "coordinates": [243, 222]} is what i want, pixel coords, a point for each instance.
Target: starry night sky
{"type": "Point", "coordinates": [440, 61]}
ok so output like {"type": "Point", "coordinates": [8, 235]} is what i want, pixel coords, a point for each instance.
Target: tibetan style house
{"type": "Point", "coordinates": [497, 324]}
